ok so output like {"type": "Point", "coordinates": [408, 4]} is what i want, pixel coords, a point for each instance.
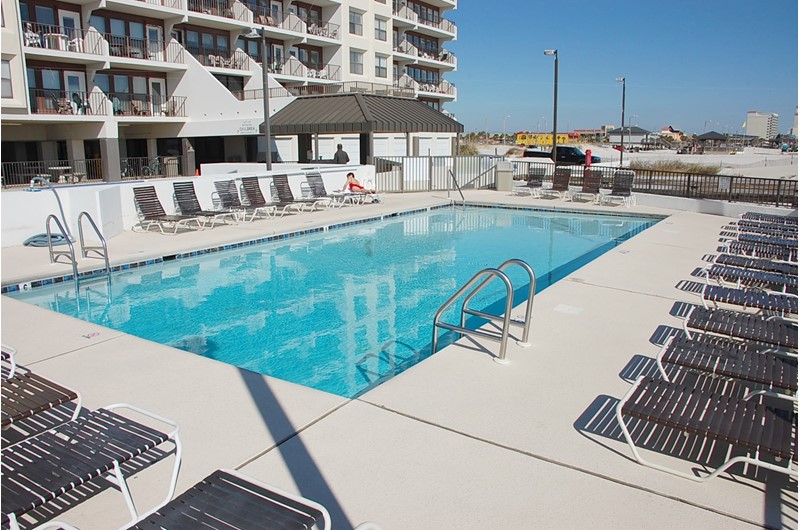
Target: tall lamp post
{"type": "Point", "coordinates": [554, 54]}
{"type": "Point", "coordinates": [505, 128]}
{"type": "Point", "coordinates": [261, 34]}
{"type": "Point", "coordinates": [630, 119]}
{"type": "Point", "coordinates": [622, 123]}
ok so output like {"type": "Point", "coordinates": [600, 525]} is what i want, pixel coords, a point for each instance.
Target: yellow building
{"type": "Point", "coordinates": [541, 138]}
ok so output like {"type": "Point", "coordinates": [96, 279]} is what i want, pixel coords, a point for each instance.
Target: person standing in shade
{"type": "Point", "coordinates": [340, 156]}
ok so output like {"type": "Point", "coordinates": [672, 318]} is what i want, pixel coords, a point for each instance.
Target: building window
{"type": "Point", "coordinates": [381, 68]}
{"type": "Point", "coordinates": [356, 62]}
{"type": "Point", "coordinates": [356, 23]}
{"type": "Point", "coordinates": [7, 92]}
{"type": "Point", "coordinates": [380, 29]}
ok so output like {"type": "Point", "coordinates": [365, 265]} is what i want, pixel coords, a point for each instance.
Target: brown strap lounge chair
{"type": "Point", "coordinates": [591, 185]}
{"type": "Point", "coordinates": [152, 213]}
{"type": "Point", "coordinates": [767, 265]}
{"type": "Point", "coordinates": [319, 193]}
{"type": "Point", "coordinates": [732, 359]}
{"type": "Point", "coordinates": [49, 465]}
{"type": "Point", "coordinates": [749, 298]}
{"type": "Point", "coordinates": [758, 250]}
{"type": "Point", "coordinates": [769, 218]}
{"type": "Point", "coordinates": [25, 393]}
{"type": "Point", "coordinates": [560, 186]}
{"type": "Point", "coordinates": [229, 199]}
{"type": "Point", "coordinates": [770, 281]}
{"type": "Point", "coordinates": [227, 499]}
{"type": "Point", "coordinates": [621, 189]}
{"type": "Point", "coordinates": [186, 197]}
{"type": "Point", "coordinates": [745, 326]}
{"type": "Point", "coordinates": [286, 197]}
{"type": "Point", "coordinates": [255, 199]}
{"type": "Point", "coordinates": [765, 432]}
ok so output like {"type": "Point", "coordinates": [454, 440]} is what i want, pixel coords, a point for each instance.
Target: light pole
{"type": "Point", "coordinates": [622, 126]}
{"type": "Point", "coordinates": [505, 128]}
{"type": "Point", "coordinates": [554, 54]}
{"type": "Point", "coordinates": [630, 118]}
{"type": "Point", "coordinates": [261, 34]}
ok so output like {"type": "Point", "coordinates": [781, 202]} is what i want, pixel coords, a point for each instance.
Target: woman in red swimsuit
{"type": "Point", "coordinates": [354, 185]}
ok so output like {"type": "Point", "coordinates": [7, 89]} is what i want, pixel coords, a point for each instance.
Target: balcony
{"type": "Point", "coordinates": [326, 89]}
{"type": "Point", "coordinates": [403, 11]}
{"type": "Point", "coordinates": [47, 37]}
{"type": "Point", "coordinates": [276, 18]}
{"type": "Point", "coordinates": [173, 4]}
{"type": "Point", "coordinates": [143, 105]}
{"type": "Point", "coordinates": [291, 66]}
{"type": "Point", "coordinates": [146, 49]}
{"type": "Point", "coordinates": [218, 58]}
{"type": "Point", "coordinates": [59, 102]}
{"type": "Point", "coordinates": [436, 55]}
{"type": "Point", "coordinates": [220, 8]}
{"type": "Point", "coordinates": [441, 88]}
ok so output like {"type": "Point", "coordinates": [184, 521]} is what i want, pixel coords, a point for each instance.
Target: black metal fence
{"type": "Point", "coordinates": [19, 174]}
{"type": "Point", "coordinates": [753, 190]}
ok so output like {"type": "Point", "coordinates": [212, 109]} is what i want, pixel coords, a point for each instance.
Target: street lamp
{"type": "Point", "coordinates": [505, 128]}
{"type": "Point", "coordinates": [554, 54]}
{"type": "Point", "coordinates": [261, 34]}
{"type": "Point", "coordinates": [630, 118]}
{"type": "Point", "coordinates": [622, 126]}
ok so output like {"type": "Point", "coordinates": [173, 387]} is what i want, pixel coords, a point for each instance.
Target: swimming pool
{"type": "Point", "coordinates": [339, 310]}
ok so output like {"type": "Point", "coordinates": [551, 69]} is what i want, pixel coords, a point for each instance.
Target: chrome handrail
{"type": "Point", "coordinates": [503, 339]}
{"type": "Point", "coordinates": [101, 250]}
{"type": "Point", "coordinates": [55, 254]}
{"type": "Point", "coordinates": [528, 307]}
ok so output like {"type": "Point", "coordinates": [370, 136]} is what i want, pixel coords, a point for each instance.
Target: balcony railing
{"type": "Point", "coordinates": [45, 101]}
{"type": "Point", "coordinates": [51, 37]}
{"type": "Point", "coordinates": [174, 4]}
{"type": "Point", "coordinates": [294, 67]}
{"type": "Point", "coordinates": [402, 10]}
{"type": "Point", "coordinates": [18, 174]}
{"type": "Point", "coordinates": [327, 89]}
{"type": "Point", "coordinates": [144, 105]}
{"type": "Point", "coordinates": [220, 8]}
{"type": "Point", "coordinates": [217, 58]}
{"type": "Point", "coordinates": [290, 21]}
{"type": "Point", "coordinates": [432, 54]}
{"type": "Point", "coordinates": [139, 167]}
{"type": "Point", "coordinates": [151, 50]}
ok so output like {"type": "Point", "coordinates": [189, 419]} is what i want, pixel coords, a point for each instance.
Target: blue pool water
{"type": "Point", "coordinates": [344, 309]}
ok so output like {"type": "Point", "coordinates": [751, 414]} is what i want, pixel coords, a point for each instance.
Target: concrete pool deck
{"type": "Point", "coordinates": [457, 441]}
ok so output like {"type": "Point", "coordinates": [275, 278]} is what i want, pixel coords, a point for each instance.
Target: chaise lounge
{"type": "Point", "coordinates": [764, 432]}
{"type": "Point", "coordinates": [152, 213]}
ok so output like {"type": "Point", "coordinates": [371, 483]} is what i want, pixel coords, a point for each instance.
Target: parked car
{"type": "Point", "coordinates": [565, 154]}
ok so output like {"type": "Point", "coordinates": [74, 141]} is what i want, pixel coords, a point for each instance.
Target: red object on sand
{"type": "Point", "coordinates": [588, 157]}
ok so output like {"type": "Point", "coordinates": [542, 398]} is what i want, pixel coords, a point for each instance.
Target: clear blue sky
{"type": "Point", "coordinates": [694, 65]}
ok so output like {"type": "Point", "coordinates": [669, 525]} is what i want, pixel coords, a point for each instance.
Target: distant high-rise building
{"type": "Point", "coordinates": [761, 125]}
{"type": "Point", "coordinates": [793, 132]}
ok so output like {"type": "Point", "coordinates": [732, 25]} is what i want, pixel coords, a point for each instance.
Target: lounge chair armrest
{"type": "Point", "coordinates": [11, 353]}
{"type": "Point", "coordinates": [172, 434]}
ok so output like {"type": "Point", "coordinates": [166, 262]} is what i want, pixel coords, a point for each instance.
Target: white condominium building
{"type": "Point", "coordinates": [122, 88]}
{"type": "Point", "coordinates": [761, 125]}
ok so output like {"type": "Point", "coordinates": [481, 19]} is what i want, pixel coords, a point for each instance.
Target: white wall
{"type": "Point", "coordinates": [112, 207]}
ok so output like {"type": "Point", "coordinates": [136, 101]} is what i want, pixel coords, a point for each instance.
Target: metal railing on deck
{"type": "Point", "coordinates": [430, 173]}
{"type": "Point", "coordinates": [48, 36]}
{"type": "Point", "coordinates": [731, 188]}
{"type": "Point", "coordinates": [147, 105]}
{"type": "Point", "coordinates": [44, 101]}
{"type": "Point", "coordinates": [18, 174]}
{"type": "Point", "coordinates": [138, 48]}
{"type": "Point", "coordinates": [143, 167]}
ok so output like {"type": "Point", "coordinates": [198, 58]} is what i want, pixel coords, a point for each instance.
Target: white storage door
{"type": "Point", "coordinates": [380, 146]}
{"type": "Point", "coordinates": [425, 146]}
{"type": "Point", "coordinates": [441, 147]}
{"type": "Point", "coordinates": [399, 146]}
{"type": "Point", "coordinates": [351, 147]}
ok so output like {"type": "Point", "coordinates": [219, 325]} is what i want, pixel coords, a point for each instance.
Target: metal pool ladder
{"type": "Point", "coordinates": [473, 287]}
{"type": "Point", "coordinates": [101, 249]}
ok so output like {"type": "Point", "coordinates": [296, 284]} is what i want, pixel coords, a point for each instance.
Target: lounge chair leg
{"type": "Point", "coordinates": [123, 487]}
